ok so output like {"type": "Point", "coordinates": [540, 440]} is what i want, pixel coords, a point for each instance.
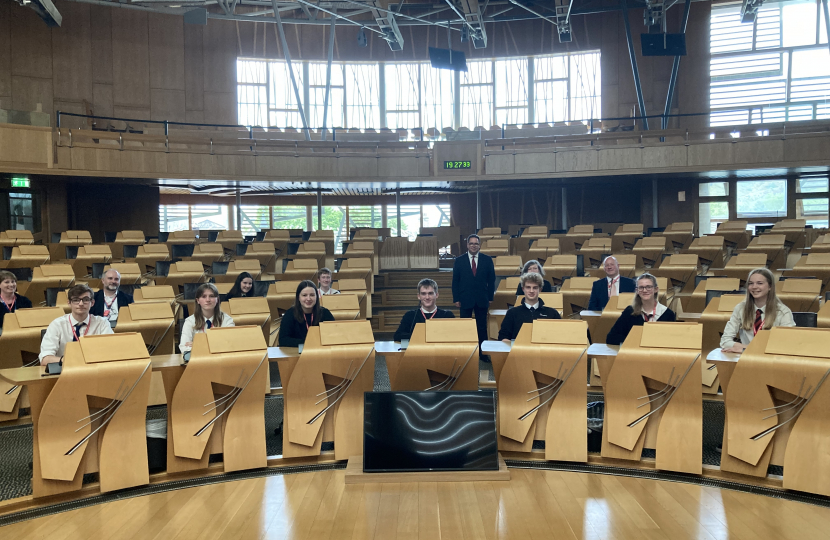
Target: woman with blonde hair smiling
{"type": "Point", "coordinates": [760, 311]}
{"type": "Point", "coordinates": [206, 315]}
{"type": "Point", "coordinates": [644, 308]}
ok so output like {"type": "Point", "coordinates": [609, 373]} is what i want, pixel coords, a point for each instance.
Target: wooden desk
{"type": "Point", "coordinates": [604, 356]}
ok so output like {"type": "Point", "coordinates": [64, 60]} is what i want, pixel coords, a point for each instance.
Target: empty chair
{"type": "Point", "coordinates": [806, 319]}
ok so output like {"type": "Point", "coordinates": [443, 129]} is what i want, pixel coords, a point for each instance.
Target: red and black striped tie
{"type": "Point", "coordinates": [759, 322]}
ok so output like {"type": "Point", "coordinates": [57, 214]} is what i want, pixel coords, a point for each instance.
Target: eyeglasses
{"type": "Point", "coordinates": [473, 244]}
{"type": "Point", "coordinates": [78, 301]}
{"type": "Point", "coordinates": [646, 288]}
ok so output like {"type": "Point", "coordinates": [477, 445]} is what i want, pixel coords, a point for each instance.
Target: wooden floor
{"type": "Point", "coordinates": [533, 505]}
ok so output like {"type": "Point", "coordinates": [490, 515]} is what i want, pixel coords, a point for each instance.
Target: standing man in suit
{"type": "Point", "coordinates": [109, 300]}
{"type": "Point", "coordinates": [473, 285]}
{"type": "Point", "coordinates": [612, 285]}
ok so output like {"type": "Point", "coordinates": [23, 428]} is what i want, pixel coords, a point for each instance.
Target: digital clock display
{"type": "Point", "coordinates": [457, 165]}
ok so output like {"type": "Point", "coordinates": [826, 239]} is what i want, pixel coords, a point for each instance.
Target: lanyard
{"type": "Point", "coordinates": [611, 285]}
{"type": "Point", "coordinates": [108, 305]}
{"type": "Point", "coordinates": [306, 321]}
{"type": "Point", "coordinates": [653, 314]}
{"type": "Point", "coordinates": [10, 307]}
{"type": "Point", "coordinates": [431, 315]}
{"type": "Point", "coordinates": [72, 327]}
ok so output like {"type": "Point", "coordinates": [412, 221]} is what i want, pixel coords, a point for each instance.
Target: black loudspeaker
{"type": "Point", "coordinates": [447, 59]}
{"type": "Point", "coordinates": [663, 44]}
{"type": "Point", "coordinates": [196, 16]}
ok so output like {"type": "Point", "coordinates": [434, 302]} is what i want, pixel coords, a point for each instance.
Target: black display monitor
{"type": "Point", "coordinates": [429, 431]}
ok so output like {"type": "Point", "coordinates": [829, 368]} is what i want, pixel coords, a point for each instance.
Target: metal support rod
{"type": "Point", "coordinates": [564, 208]}
{"type": "Point", "coordinates": [478, 206]}
{"type": "Point", "coordinates": [827, 20]}
{"type": "Point", "coordinates": [675, 68]}
{"type": "Point", "coordinates": [398, 205]}
{"type": "Point", "coordinates": [654, 216]}
{"type": "Point", "coordinates": [328, 74]}
{"type": "Point", "coordinates": [238, 209]}
{"type": "Point", "coordinates": [290, 69]}
{"type": "Point", "coordinates": [634, 68]}
{"type": "Point", "coordinates": [319, 207]}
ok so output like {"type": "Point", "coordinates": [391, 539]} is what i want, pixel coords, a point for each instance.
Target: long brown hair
{"type": "Point", "coordinates": [772, 305]}
{"type": "Point", "coordinates": [199, 322]}
{"type": "Point", "coordinates": [637, 303]}
{"type": "Point", "coordinates": [298, 308]}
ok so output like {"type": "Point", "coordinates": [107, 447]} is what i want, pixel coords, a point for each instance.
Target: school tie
{"type": "Point", "coordinates": [759, 322]}
{"type": "Point", "coordinates": [209, 324]}
{"type": "Point", "coordinates": [473, 265]}
{"type": "Point", "coordinates": [77, 333]}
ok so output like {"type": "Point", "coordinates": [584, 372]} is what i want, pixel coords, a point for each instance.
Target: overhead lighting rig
{"type": "Point", "coordinates": [653, 16]}
{"type": "Point", "coordinates": [474, 24]}
{"type": "Point", "coordinates": [749, 10]}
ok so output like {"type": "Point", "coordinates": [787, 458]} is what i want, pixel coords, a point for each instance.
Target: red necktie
{"type": "Point", "coordinates": [473, 265]}
{"type": "Point", "coordinates": [759, 322]}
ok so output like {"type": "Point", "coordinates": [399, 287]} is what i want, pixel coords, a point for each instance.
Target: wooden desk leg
{"type": "Point", "coordinates": [40, 487]}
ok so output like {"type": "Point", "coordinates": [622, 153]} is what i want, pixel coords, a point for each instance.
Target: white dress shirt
{"type": "Point", "coordinates": [534, 306]}
{"type": "Point", "coordinates": [734, 327]}
{"type": "Point", "coordinates": [189, 329]}
{"type": "Point", "coordinates": [473, 257]}
{"type": "Point", "coordinates": [328, 292]}
{"type": "Point", "coordinates": [113, 316]}
{"type": "Point", "coordinates": [59, 333]}
{"type": "Point", "coordinates": [657, 313]}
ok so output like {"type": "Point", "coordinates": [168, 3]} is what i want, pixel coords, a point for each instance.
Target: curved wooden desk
{"type": "Point", "coordinates": [323, 389]}
{"type": "Point", "coordinates": [541, 389]}
{"type": "Point", "coordinates": [441, 355]}
{"type": "Point", "coordinates": [653, 399]}
{"type": "Point", "coordinates": [154, 321]}
{"type": "Point", "coordinates": [216, 404]}
{"type": "Point", "coordinates": [778, 405]}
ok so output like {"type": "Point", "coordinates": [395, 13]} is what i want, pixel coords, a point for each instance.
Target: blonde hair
{"type": "Point", "coordinates": [772, 305]}
{"type": "Point", "coordinates": [199, 318]}
{"type": "Point", "coordinates": [637, 303]}
{"type": "Point", "coordinates": [532, 277]}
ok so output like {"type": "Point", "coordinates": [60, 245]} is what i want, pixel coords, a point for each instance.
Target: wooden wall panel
{"type": "Point", "coordinates": [130, 59]}
{"type": "Point", "coordinates": [220, 52]}
{"type": "Point", "coordinates": [138, 208]}
{"type": "Point", "coordinates": [167, 105]}
{"type": "Point", "coordinates": [31, 44]}
{"type": "Point", "coordinates": [72, 54]}
{"type": "Point", "coordinates": [220, 108]}
{"type": "Point", "coordinates": [166, 39]}
{"type": "Point", "coordinates": [102, 99]}
{"type": "Point", "coordinates": [194, 72]}
{"type": "Point", "coordinates": [101, 39]}
{"type": "Point", "coordinates": [28, 92]}
{"type": "Point", "coordinates": [5, 56]}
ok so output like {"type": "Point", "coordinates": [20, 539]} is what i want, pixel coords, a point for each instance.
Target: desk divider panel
{"type": "Point", "coordinates": [344, 306]}
{"type": "Point", "coordinates": [154, 321]}
{"type": "Point", "coordinates": [323, 398]}
{"type": "Point", "coordinates": [777, 406]}
{"type": "Point", "coordinates": [547, 363]}
{"type": "Point", "coordinates": [107, 376]}
{"type": "Point", "coordinates": [653, 398]}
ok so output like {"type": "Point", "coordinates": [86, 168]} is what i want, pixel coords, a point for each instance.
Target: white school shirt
{"type": "Point", "coordinates": [189, 329]}
{"type": "Point", "coordinates": [59, 333]}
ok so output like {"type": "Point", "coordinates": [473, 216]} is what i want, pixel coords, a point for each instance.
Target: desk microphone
{"type": "Point", "coordinates": [415, 318]}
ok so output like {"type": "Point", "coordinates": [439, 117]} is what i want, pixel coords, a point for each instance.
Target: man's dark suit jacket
{"type": "Point", "coordinates": [599, 292]}
{"type": "Point", "coordinates": [473, 291]}
{"type": "Point", "coordinates": [122, 298]}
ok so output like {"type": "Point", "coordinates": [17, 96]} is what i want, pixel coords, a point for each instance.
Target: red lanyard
{"type": "Point", "coordinates": [306, 321]}
{"type": "Point", "coordinates": [431, 315]}
{"type": "Point", "coordinates": [108, 306]}
{"type": "Point", "coordinates": [611, 285]}
{"type": "Point", "coordinates": [653, 314]}
{"type": "Point", "coordinates": [72, 327]}
{"type": "Point", "coordinates": [10, 307]}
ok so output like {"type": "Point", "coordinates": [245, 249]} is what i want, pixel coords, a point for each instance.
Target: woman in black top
{"type": "Point", "coordinates": [534, 266]}
{"type": "Point", "coordinates": [243, 287]}
{"type": "Point", "coordinates": [305, 313]}
{"type": "Point", "coordinates": [644, 308]}
{"type": "Point", "coordinates": [10, 301]}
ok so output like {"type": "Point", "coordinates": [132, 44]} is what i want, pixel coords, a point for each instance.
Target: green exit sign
{"type": "Point", "coordinates": [20, 182]}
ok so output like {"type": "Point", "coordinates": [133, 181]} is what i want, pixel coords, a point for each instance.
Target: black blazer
{"type": "Point", "coordinates": [121, 297]}
{"type": "Point", "coordinates": [293, 332]}
{"type": "Point", "coordinates": [599, 292]}
{"type": "Point", "coordinates": [517, 316]}
{"type": "Point", "coordinates": [411, 318]}
{"type": "Point", "coordinates": [545, 288]}
{"type": "Point", "coordinates": [20, 302]}
{"type": "Point", "coordinates": [473, 291]}
{"type": "Point", "coordinates": [628, 320]}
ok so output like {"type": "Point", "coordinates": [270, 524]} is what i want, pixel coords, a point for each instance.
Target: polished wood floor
{"type": "Point", "coordinates": [533, 505]}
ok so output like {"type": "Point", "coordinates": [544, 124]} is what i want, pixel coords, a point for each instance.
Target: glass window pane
{"type": "Point", "coordinates": [585, 86]}
{"type": "Point", "coordinates": [410, 220]}
{"type": "Point", "coordinates": [712, 214]}
{"type": "Point", "coordinates": [813, 210]}
{"type": "Point", "coordinates": [798, 25]}
{"type": "Point", "coordinates": [438, 100]}
{"type": "Point", "coordinates": [290, 217]}
{"type": "Point", "coordinates": [173, 217]}
{"type": "Point", "coordinates": [365, 216]}
{"type": "Point", "coordinates": [211, 217]}
{"type": "Point", "coordinates": [402, 95]}
{"type": "Point", "coordinates": [761, 198]}
{"type": "Point", "coordinates": [436, 215]}
{"type": "Point", "coordinates": [283, 110]}
{"type": "Point", "coordinates": [362, 96]}
{"type": "Point", "coordinates": [811, 185]}
{"type": "Point", "coordinates": [713, 189]}
{"type": "Point", "coordinates": [254, 219]}
{"type": "Point", "coordinates": [317, 95]}
{"type": "Point", "coordinates": [334, 219]}
{"type": "Point", "coordinates": [22, 212]}
{"type": "Point", "coordinates": [511, 91]}
{"type": "Point", "coordinates": [477, 94]}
